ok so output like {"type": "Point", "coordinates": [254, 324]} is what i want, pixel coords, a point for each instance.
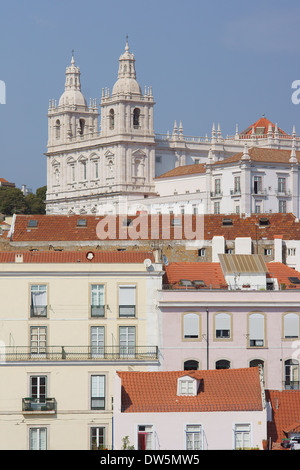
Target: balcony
{"type": "Point", "coordinates": [259, 192]}
{"type": "Point", "coordinates": [283, 193]}
{"type": "Point", "coordinates": [291, 385]}
{"type": "Point", "coordinates": [79, 353]}
{"type": "Point", "coordinates": [37, 406]}
{"type": "Point", "coordinates": [97, 310]}
{"type": "Point", "coordinates": [235, 192]}
{"type": "Point", "coordinates": [216, 194]}
{"type": "Point", "coordinates": [126, 310]}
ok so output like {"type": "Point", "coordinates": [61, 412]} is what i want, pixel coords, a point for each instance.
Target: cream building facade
{"type": "Point", "coordinates": [102, 157]}
{"type": "Point", "coordinates": [70, 320]}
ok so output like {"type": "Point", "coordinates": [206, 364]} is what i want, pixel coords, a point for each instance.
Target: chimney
{"type": "Point", "coordinates": [18, 258]}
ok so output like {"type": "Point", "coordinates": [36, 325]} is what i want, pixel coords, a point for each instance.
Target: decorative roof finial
{"type": "Point", "coordinates": [127, 46]}
{"type": "Point", "coordinates": [73, 60]}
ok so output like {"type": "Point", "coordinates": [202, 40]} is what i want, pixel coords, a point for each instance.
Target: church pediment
{"type": "Point", "coordinates": [139, 153]}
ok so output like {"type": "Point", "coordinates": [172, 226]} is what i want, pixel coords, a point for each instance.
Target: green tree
{"type": "Point", "coordinates": [12, 201]}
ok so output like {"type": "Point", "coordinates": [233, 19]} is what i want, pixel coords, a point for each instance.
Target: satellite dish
{"type": "Point", "coordinates": [165, 260]}
{"type": "Point", "coordinates": [147, 263]}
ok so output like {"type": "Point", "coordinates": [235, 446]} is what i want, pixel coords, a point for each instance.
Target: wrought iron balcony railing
{"type": "Point", "coordinates": [38, 310]}
{"type": "Point", "coordinates": [36, 405]}
{"type": "Point", "coordinates": [79, 353]}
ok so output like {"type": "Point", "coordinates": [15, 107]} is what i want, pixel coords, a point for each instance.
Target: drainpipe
{"type": "Point", "coordinates": [207, 341]}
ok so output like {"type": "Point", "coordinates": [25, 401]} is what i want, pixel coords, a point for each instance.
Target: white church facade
{"type": "Point", "coordinates": [114, 161]}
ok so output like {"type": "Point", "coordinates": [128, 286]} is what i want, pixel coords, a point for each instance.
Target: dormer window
{"type": "Point", "coordinates": [187, 385]}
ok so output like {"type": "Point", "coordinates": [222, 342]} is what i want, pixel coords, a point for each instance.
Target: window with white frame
{"type": "Point", "coordinates": [98, 392]}
{"type": "Point", "coordinates": [282, 207]}
{"type": "Point", "coordinates": [257, 184]}
{"type": "Point", "coordinates": [187, 386]}
{"type": "Point", "coordinates": [97, 300]}
{"type": "Point", "coordinates": [291, 251]}
{"type": "Point", "coordinates": [98, 438]}
{"type": "Point", "coordinates": [97, 341]}
{"type": "Point", "coordinates": [38, 298]}
{"type": "Point", "coordinates": [193, 437]}
{"type": "Point", "coordinates": [217, 207]}
{"type": "Point", "coordinates": [127, 300]}
{"type": "Point", "coordinates": [217, 186]}
{"type": "Point", "coordinates": [256, 330]}
{"type": "Point", "coordinates": [291, 370]}
{"type": "Point", "coordinates": [38, 339]}
{"type": "Point", "coordinates": [242, 436]}
{"type": "Point", "coordinates": [291, 325]}
{"type": "Point", "coordinates": [145, 437]}
{"type": "Point", "coordinates": [281, 185]}
{"type": "Point", "coordinates": [237, 185]}
{"type": "Point", "coordinates": [38, 388]}
{"type": "Point", "coordinates": [127, 336]}
{"type": "Point", "coordinates": [191, 326]}
{"type": "Point", "coordinates": [257, 208]}
{"type": "Point", "coordinates": [202, 252]}
{"type": "Point", "coordinates": [222, 325]}
{"type": "Point", "coordinates": [38, 438]}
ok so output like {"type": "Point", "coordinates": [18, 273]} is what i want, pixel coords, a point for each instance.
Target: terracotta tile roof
{"type": "Point", "coordinates": [263, 155]}
{"type": "Point", "coordinates": [76, 257]}
{"type": "Point", "coordinates": [64, 227]}
{"type": "Point", "coordinates": [282, 273]}
{"type": "Point", "coordinates": [184, 170]}
{"type": "Point", "coordinates": [262, 123]}
{"type": "Point", "coordinates": [219, 390]}
{"type": "Point", "coordinates": [285, 413]}
{"type": "Point", "coordinates": [210, 273]}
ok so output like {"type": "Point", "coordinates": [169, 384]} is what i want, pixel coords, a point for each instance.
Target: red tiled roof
{"type": "Point", "coordinates": [264, 155]}
{"type": "Point", "coordinates": [219, 390]}
{"type": "Point", "coordinates": [184, 170]}
{"type": "Point", "coordinates": [76, 257]}
{"type": "Point", "coordinates": [64, 227]}
{"type": "Point", "coordinates": [285, 413]}
{"type": "Point", "coordinates": [210, 273]}
{"type": "Point", "coordinates": [263, 123]}
{"type": "Point", "coordinates": [282, 272]}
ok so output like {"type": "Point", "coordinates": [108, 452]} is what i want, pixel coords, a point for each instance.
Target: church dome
{"type": "Point", "coordinates": [72, 94]}
{"type": "Point", "coordinates": [126, 83]}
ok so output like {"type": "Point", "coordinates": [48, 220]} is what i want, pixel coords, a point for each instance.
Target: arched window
{"type": "Point", "coordinates": [222, 325]}
{"type": "Point", "coordinates": [57, 129]}
{"type": "Point", "coordinates": [291, 325]}
{"type": "Point", "coordinates": [191, 326]}
{"type": "Point", "coordinates": [257, 363]}
{"type": "Point", "coordinates": [111, 119]}
{"type": "Point", "coordinates": [291, 370]}
{"type": "Point", "coordinates": [191, 365]}
{"type": "Point", "coordinates": [256, 330]}
{"type": "Point", "coordinates": [81, 126]}
{"type": "Point", "coordinates": [223, 364]}
{"type": "Point", "coordinates": [136, 118]}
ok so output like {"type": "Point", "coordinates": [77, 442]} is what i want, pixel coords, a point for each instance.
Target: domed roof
{"type": "Point", "coordinates": [72, 97]}
{"type": "Point", "coordinates": [72, 94]}
{"type": "Point", "coordinates": [126, 82]}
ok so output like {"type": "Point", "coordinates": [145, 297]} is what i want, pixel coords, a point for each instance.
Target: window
{"type": "Point", "coordinates": [97, 438]}
{"type": "Point", "coordinates": [237, 209]}
{"type": "Point", "coordinates": [72, 173]}
{"type": "Point", "coordinates": [268, 251]}
{"type": "Point", "coordinates": [96, 168]}
{"type": "Point", "coordinates": [281, 185]}
{"type": "Point", "coordinates": [38, 439]}
{"type": "Point", "coordinates": [187, 386]}
{"type": "Point", "coordinates": [217, 207]}
{"type": "Point", "coordinates": [291, 374]}
{"type": "Point", "coordinates": [191, 365]}
{"type": "Point", "coordinates": [193, 437]}
{"type": "Point", "coordinates": [201, 252]}
{"type": "Point", "coordinates": [222, 326]}
{"type": "Point", "coordinates": [257, 185]}
{"type": "Point", "coordinates": [127, 301]}
{"type": "Point", "coordinates": [223, 364]}
{"type": "Point", "coordinates": [57, 129]}
{"type": "Point", "coordinates": [38, 389]}
{"type": "Point", "coordinates": [136, 118]}
{"type": "Point", "coordinates": [38, 306]}
{"type": "Point", "coordinates": [257, 208]}
{"type": "Point", "coordinates": [81, 223]}
{"type": "Point", "coordinates": [291, 325]}
{"type": "Point", "coordinates": [282, 207]}
{"type": "Point", "coordinates": [291, 251]}
{"type": "Point", "coordinates": [81, 126]}
{"type": "Point", "coordinates": [97, 341]}
{"type": "Point", "coordinates": [217, 186]}
{"type": "Point", "coordinates": [111, 119]}
{"type": "Point", "coordinates": [191, 326]}
{"type": "Point", "coordinates": [32, 223]}
{"type": "Point", "coordinates": [38, 339]}
{"type": "Point", "coordinates": [242, 436]}
{"type": "Point", "coordinates": [256, 330]}
{"type": "Point", "coordinates": [256, 363]}
{"type": "Point", "coordinates": [83, 173]}
{"type": "Point", "coordinates": [145, 437]}
{"type": "Point", "coordinates": [127, 340]}
{"type": "Point", "coordinates": [97, 300]}
{"type": "Point", "coordinates": [97, 392]}
{"type": "Point", "coordinates": [237, 184]}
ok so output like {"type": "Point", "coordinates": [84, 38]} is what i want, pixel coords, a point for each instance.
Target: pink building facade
{"type": "Point", "coordinates": [212, 329]}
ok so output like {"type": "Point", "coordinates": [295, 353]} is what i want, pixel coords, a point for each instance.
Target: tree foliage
{"type": "Point", "coordinates": [13, 201]}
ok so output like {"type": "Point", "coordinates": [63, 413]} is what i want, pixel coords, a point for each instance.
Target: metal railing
{"type": "Point", "coordinates": [37, 405]}
{"type": "Point", "coordinates": [38, 310]}
{"type": "Point", "coordinates": [79, 353]}
{"type": "Point", "coordinates": [291, 385]}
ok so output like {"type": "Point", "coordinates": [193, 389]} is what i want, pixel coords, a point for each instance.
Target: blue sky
{"type": "Point", "coordinates": [218, 61]}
